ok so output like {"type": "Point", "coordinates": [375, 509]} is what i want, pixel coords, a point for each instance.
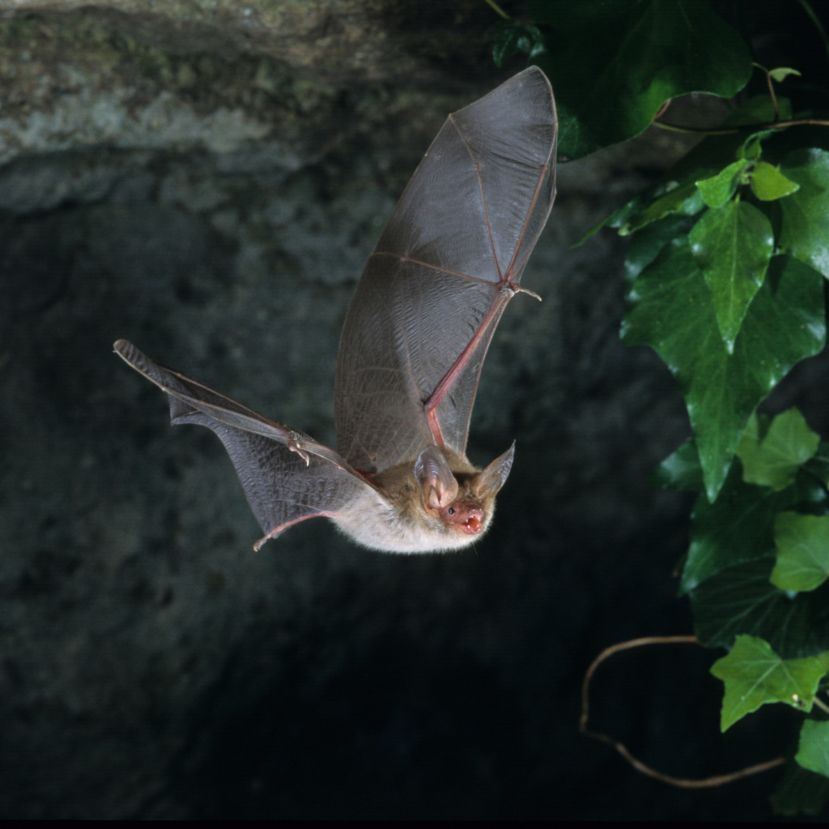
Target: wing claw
{"type": "Point", "coordinates": [520, 289]}
{"type": "Point", "coordinates": [294, 445]}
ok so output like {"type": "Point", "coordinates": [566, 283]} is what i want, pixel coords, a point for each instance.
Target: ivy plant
{"type": "Point", "coordinates": [725, 268]}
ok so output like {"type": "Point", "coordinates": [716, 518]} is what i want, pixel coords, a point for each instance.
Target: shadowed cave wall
{"type": "Point", "coordinates": [207, 179]}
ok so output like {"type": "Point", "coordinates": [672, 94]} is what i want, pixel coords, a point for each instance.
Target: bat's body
{"type": "Point", "coordinates": [413, 344]}
{"type": "Point", "coordinates": [398, 523]}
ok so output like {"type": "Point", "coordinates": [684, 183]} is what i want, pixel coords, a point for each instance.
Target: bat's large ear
{"type": "Point", "coordinates": [490, 479]}
{"type": "Point", "coordinates": [437, 482]}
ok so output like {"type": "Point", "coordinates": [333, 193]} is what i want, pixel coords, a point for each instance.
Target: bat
{"type": "Point", "coordinates": [413, 343]}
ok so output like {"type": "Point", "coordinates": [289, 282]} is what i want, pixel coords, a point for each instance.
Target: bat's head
{"type": "Point", "coordinates": [465, 515]}
{"type": "Point", "coordinates": [463, 502]}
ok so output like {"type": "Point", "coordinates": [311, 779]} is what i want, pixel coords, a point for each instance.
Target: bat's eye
{"type": "Point", "coordinates": [450, 511]}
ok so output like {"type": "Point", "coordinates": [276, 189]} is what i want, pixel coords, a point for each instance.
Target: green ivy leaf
{"type": "Point", "coordinates": [805, 212]}
{"type": "Point", "coordinates": [813, 751]}
{"type": "Point", "coordinates": [669, 198]}
{"type": "Point", "coordinates": [755, 675]}
{"type": "Point", "coordinates": [800, 792]}
{"type": "Point", "coordinates": [649, 242]}
{"type": "Point", "coordinates": [773, 459]}
{"type": "Point", "coordinates": [681, 469]}
{"type": "Point", "coordinates": [740, 599]}
{"type": "Point", "coordinates": [672, 311]}
{"type": "Point", "coordinates": [752, 146]}
{"type": "Point", "coordinates": [733, 246]}
{"type": "Point", "coordinates": [684, 199]}
{"type": "Point", "coordinates": [802, 543]}
{"type": "Point", "coordinates": [718, 189]}
{"type": "Point", "coordinates": [819, 465]}
{"type": "Point", "coordinates": [780, 73]}
{"type": "Point", "coordinates": [678, 195]}
{"type": "Point", "coordinates": [769, 184]}
{"type": "Point", "coordinates": [737, 527]}
{"type": "Point", "coordinates": [513, 37]}
{"type": "Point", "coordinates": [651, 51]}
{"type": "Point", "coordinates": [758, 109]}
{"type": "Point", "coordinates": [572, 131]}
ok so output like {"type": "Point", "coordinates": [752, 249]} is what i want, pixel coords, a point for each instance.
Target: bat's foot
{"type": "Point", "coordinates": [295, 445]}
{"type": "Point", "coordinates": [262, 541]}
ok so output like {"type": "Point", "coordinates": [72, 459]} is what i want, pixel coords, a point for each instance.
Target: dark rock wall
{"type": "Point", "coordinates": [206, 179]}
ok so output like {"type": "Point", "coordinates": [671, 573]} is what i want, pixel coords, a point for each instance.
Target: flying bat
{"type": "Point", "coordinates": [413, 343]}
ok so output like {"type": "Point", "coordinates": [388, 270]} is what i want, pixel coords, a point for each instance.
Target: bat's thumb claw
{"type": "Point", "coordinates": [528, 292]}
{"type": "Point", "coordinates": [295, 445]}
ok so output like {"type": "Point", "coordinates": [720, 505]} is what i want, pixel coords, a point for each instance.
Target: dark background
{"type": "Point", "coordinates": [207, 181]}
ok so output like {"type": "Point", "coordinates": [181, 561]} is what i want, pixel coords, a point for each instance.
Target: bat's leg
{"type": "Point", "coordinates": [280, 528]}
{"type": "Point", "coordinates": [262, 541]}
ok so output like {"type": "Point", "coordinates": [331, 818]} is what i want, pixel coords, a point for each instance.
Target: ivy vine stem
{"type": "Point", "coordinates": [822, 705]}
{"type": "Point", "coordinates": [775, 105]}
{"type": "Point", "coordinates": [774, 125]}
{"type": "Point", "coordinates": [497, 9]}
{"type": "Point", "coordinates": [622, 749]}
{"type": "Point", "coordinates": [810, 13]}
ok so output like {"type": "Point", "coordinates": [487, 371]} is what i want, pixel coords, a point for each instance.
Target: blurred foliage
{"type": "Point", "coordinates": [725, 270]}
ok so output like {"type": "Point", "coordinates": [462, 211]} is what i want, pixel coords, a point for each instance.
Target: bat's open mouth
{"type": "Point", "coordinates": [472, 524]}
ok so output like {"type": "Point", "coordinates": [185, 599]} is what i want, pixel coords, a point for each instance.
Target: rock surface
{"type": "Point", "coordinates": [206, 178]}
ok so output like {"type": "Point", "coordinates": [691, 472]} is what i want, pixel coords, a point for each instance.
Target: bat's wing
{"type": "Point", "coordinates": [447, 264]}
{"type": "Point", "coordinates": [286, 475]}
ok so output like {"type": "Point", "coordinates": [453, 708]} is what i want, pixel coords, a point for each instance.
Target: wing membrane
{"type": "Point", "coordinates": [287, 476]}
{"type": "Point", "coordinates": [445, 267]}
